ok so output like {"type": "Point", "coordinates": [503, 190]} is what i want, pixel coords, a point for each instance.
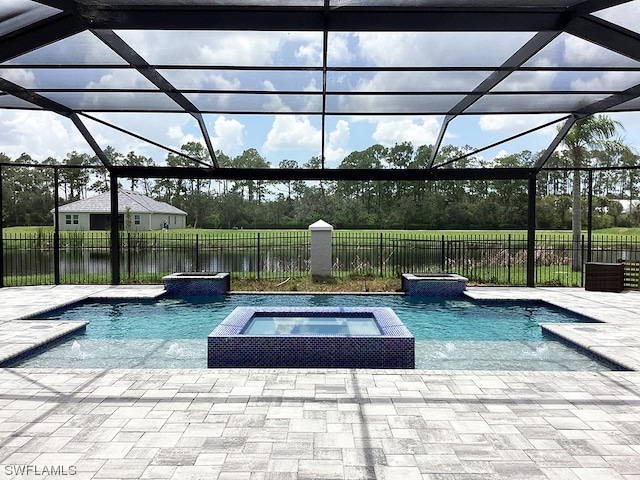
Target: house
{"type": "Point", "coordinates": [136, 212]}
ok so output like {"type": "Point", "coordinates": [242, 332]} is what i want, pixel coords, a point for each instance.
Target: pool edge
{"type": "Point", "coordinates": [40, 345]}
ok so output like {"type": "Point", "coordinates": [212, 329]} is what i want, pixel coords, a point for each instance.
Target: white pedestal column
{"type": "Point", "coordinates": [321, 259]}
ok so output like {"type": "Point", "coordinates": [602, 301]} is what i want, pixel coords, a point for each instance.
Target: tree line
{"type": "Point", "coordinates": [28, 192]}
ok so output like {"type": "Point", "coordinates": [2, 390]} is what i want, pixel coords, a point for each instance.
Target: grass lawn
{"type": "Point", "coordinates": [356, 284]}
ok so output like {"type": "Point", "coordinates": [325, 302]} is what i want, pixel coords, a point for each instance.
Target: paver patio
{"type": "Point", "coordinates": [325, 424]}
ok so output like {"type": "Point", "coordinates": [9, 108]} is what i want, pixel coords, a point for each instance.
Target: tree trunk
{"type": "Point", "coordinates": [576, 223]}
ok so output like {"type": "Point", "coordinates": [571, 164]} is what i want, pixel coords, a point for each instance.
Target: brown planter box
{"type": "Point", "coordinates": [604, 277]}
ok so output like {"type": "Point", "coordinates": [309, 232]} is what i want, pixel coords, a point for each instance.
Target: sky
{"type": "Point", "coordinates": [286, 134]}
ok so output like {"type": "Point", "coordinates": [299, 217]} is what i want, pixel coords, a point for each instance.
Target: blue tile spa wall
{"type": "Point", "coordinates": [229, 347]}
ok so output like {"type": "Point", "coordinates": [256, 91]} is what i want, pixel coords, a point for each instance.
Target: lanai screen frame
{"type": "Point", "coordinates": [28, 25]}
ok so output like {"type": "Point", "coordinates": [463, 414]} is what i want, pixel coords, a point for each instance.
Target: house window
{"type": "Point", "coordinates": [75, 219]}
{"type": "Point", "coordinates": [136, 219]}
{"type": "Point", "coordinates": [67, 219]}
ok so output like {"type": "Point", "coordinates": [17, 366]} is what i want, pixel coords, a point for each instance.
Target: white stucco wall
{"type": "Point", "coordinates": [148, 221]}
{"type": "Point", "coordinates": [78, 221]}
{"type": "Point", "coordinates": [173, 221]}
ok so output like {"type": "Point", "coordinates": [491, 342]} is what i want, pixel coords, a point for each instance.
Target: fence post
{"type": "Point", "coordinates": [381, 255]}
{"type": "Point", "coordinates": [509, 260]}
{"type": "Point", "coordinates": [129, 255]}
{"type": "Point", "coordinates": [197, 254]}
{"type": "Point", "coordinates": [56, 227]}
{"type": "Point", "coordinates": [442, 255]}
{"type": "Point", "coordinates": [115, 230]}
{"type": "Point", "coordinates": [590, 215]}
{"type": "Point", "coordinates": [531, 232]}
{"type": "Point", "coordinates": [582, 257]}
{"type": "Point", "coordinates": [258, 259]}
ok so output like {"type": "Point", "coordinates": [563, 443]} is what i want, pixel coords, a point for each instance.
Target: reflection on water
{"type": "Point", "coordinates": [32, 262]}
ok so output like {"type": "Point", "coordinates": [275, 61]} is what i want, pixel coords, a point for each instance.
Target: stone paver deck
{"type": "Point", "coordinates": [325, 424]}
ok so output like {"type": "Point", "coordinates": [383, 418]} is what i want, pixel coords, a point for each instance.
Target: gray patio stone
{"type": "Point", "coordinates": [337, 424]}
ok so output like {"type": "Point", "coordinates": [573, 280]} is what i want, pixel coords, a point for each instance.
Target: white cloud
{"type": "Point", "coordinates": [398, 49]}
{"type": "Point", "coordinates": [422, 131]}
{"type": "Point", "coordinates": [578, 52]}
{"type": "Point", "coordinates": [582, 53]}
{"type": "Point", "coordinates": [40, 134]}
{"type": "Point", "coordinates": [337, 147]}
{"type": "Point", "coordinates": [508, 125]}
{"type": "Point", "coordinates": [439, 48]}
{"type": "Point", "coordinates": [626, 15]}
{"type": "Point", "coordinates": [81, 48]}
{"type": "Point", "coordinates": [175, 132]}
{"type": "Point", "coordinates": [218, 47]}
{"type": "Point", "coordinates": [339, 50]}
{"type": "Point", "coordinates": [202, 79]}
{"type": "Point", "coordinates": [274, 103]}
{"type": "Point", "coordinates": [421, 81]}
{"type": "Point", "coordinates": [229, 135]}
{"type": "Point", "coordinates": [202, 48]}
{"type": "Point", "coordinates": [631, 124]}
{"type": "Point", "coordinates": [121, 79]}
{"type": "Point", "coordinates": [527, 81]}
{"type": "Point", "coordinates": [292, 132]}
{"type": "Point", "coordinates": [19, 76]}
{"type": "Point", "coordinates": [310, 53]}
{"type": "Point", "coordinates": [606, 81]}
{"type": "Point", "coordinates": [165, 128]}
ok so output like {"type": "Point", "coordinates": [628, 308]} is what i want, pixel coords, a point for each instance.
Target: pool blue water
{"type": "Point", "coordinates": [313, 325]}
{"type": "Point", "coordinates": [450, 333]}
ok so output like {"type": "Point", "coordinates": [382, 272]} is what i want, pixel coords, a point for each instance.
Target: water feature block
{"type": "Point", "coordinates": [186, 284]}
{"type": "Point", "coordinates": [392, 347]}
{"type": "Point", "coordinates": [433, 284]}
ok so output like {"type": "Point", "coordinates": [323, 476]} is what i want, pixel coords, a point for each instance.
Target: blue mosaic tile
{"type": "Point", "coordinates": [433, 285]}
{"type": "Point", "coordinates": [197, 284]}
{"type": "Point", "coordinates": [394, 348]}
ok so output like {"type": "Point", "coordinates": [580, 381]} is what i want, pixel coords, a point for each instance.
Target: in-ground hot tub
{"type": "Point", "coordinates": [184, 284]}
{"type": "Point", "coordinates": [433, 284]}
{"type": "Point", "coordinates": [318, 337]}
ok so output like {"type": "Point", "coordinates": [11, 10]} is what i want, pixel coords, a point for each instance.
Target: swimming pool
{"type": "Point", "coordinates": [450, 333]}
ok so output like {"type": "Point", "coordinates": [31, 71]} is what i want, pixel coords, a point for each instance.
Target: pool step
{"type": "Point", "coordinates": [22, 338]}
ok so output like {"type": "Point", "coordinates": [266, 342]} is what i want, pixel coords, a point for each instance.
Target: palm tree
{"type": "Point", "coordinates": [587, 134]}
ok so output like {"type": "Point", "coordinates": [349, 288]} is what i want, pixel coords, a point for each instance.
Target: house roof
{"type": "Point", "coordinates": [136, 202]}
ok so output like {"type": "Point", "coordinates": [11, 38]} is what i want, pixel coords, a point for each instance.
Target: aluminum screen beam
{"type": "Point", "coordinates": [39, 34]}
{"type": "Point", "coordinates": [539, 41]}
{"type": "Point", "coordinates": [346, 174]}
{"type": "Point", "coordinates": [135, 60]}
{"type": "Point", "coordinates": [313, 18]}
{"type": "Point", "coordinates": [607, 35]}
{"type": "Point", "coordinates": [55, 107]}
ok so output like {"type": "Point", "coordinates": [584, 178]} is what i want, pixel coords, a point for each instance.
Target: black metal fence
{"type": "Point", "coordinates": [85, 257]}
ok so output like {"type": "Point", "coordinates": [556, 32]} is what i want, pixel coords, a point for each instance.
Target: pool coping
{"type": "Point", "coordinates": [26, 346]}
{"type": "Point", "coordinates": [616, 338]}
{"type": "Point", "coordinates": [613, 338]}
